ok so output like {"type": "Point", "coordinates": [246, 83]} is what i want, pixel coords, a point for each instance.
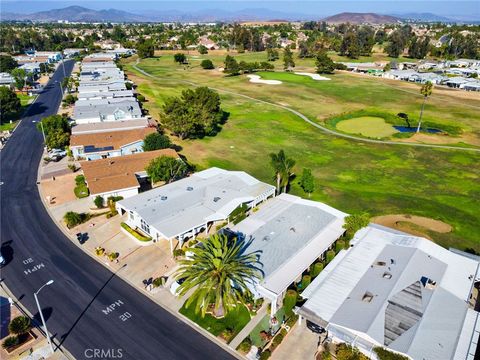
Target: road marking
{"type": "Point", "coordinates": [110, 308]}
{"type": "Point", "coordinates": [31, 269]}
{"type": "Point", "coordinates": [125, 316]}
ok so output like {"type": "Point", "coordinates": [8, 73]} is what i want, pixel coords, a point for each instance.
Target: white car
{"type": "Point", "coordinates": [175, 285]}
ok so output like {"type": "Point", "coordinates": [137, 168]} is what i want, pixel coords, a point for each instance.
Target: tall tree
{"type": "Point", "coordinates": [196, 113]}
{"type": "Point", "coordinates": [7, 63]}
{"type": "Point", "coordinates": [307, 181]}
{"type": "Point", "coordinates": [165, 168]}
{"type": "Point", "coordinates": [426, 91]}
{"type": "Point", "coordinates": [220, 272]}
{"type": "Point", "coordinates": [282, 165]}
{"type": "Point", "coordinates": [9, 103]}
{"type": "Point", "coordinates": [396, 44]}
{"type": "Point", "coordinates": [324, 64]}
{"type": "Point", "coordinates": [20, 77]}
{"type": "Point", "coordinates": [156, 141]}
{"type": "Point", "coordinates": [145, 49]}
{"type": "Point", "coordinates": [350, 46]}
{"type": "Point", "coordinates": [288, 59]}
{"type": "Point", "coordinates": [231, 66]}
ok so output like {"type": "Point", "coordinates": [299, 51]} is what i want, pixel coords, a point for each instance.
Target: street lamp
{"type": "Point", "coordinates": [49, 282]}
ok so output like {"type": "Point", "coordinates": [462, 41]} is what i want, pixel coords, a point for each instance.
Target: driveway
{"type": "Point", "coordinates": [300, 343]}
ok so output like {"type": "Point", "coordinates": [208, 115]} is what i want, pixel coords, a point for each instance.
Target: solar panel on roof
{"type": "Point", "coordinates": [91, 148]}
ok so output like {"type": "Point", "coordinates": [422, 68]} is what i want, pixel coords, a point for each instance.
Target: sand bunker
{"type": "Point", "coordinates": [395, 221]}
{"type": "Point", "coordinates": [313, 76]}
{"type": "Point", "coordinates": [258, 80]}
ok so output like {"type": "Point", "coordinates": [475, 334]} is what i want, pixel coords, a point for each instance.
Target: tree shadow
{"type": "Point", "coordinates": [7, 252]}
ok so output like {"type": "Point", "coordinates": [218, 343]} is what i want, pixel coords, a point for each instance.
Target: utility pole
{"type": "Point", "coordinates": [49, 282]}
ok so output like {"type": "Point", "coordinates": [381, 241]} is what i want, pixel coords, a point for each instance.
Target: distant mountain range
{"type": "Point", "coordinates": [361, 18]}
{"type": "Point", "coordinates": [82, 14]}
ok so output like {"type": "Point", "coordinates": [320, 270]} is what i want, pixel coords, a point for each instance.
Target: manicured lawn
{"type": "Point", "coordinates": [349, 175]}
{"type": "Point", "coordinates": [369, 126]}
{"type": "Point", "coordinates": [234, 321]}
{"type": "Point", "coordinates": [264, 325]}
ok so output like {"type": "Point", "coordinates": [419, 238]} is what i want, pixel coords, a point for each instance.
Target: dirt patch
{"type": "Point", "coordinates": [59, 190]}
{"type": "Point", "coordinates": [415, 225]}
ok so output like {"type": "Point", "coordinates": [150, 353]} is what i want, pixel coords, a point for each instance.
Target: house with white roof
{"type": "Point", "coordinates": [184, 208]}
{"type": "Point", "coordinates": [110, 110]}
{"type": "Point", "coordinates": [400, 292]}
{"type": "Point", "coordinates": [289, 234]}
{"type": "Point", "coordinates": [6, 79]}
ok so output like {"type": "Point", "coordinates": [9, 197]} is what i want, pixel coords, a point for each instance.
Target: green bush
{"type": "Point", "coordinates": [347, 352]}
{"type": "Point", "coordinates": [316, 269]}
{"type": "Point", "coordinates": [112, 214]}
{"type": "Point", "coordinates": [140, 98]}
{"type": "Point", "coordinates": [20, 325]}
{"type": "Point", "coordinates": [265, 355]}
{"type": "Point", "coordinates": [277, 340]}
{"type": "Point", "coordinates": [207, 64]}
{"type": "Point", "coordinates": [159, 281]}
{"type": "Point", "coordinates": [384, 354]}
{"type": "Point", "coordinates": [79, 180]}
{"type": "Point", "coordinates": [330, 255]}
{"type": "Point", "coordinates": [10, 341]}
{"type": "Point", "coordinates": [245, 345]}
{"type": "Point", "coordinates": [178, 252]}
{"type": "Point", "coordinates": [115, 198]}
{"type": "Point", "coordinates": [81, 191]}
{"type": "Point", "coordinates": [290, 301]}
{"type": "Point", "coordinates": [291, 320]}
{"type": "Point", "coordinates": [306, 280]}
{"type": "Point", "coordinates": [73, 219]}
{"type": "Point", "coordinates": [136, 234]}
{"type": "Point", "coordinates": [99, 201]}
{"type": "Point", "coordinates": [113, 256]}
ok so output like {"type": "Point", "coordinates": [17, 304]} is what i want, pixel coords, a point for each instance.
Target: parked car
{"type": "Point", "coordinates": [315, 328]}
{"type": "Point", "coordinates": [175, 285]}
{"type": "Point", "coordinates": [57, 152]}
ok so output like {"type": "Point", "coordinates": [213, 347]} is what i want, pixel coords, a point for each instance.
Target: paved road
{"type": "Point", "coordinates": [78, 306]}
{"type": "Point", "coordinates": [307, 120]}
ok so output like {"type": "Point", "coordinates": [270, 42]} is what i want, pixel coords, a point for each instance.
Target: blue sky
{"type": "Point", "coordinates": [319, 7]}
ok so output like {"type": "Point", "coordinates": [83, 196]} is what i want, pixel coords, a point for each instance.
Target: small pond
{"type": "Point", "coordinates": [414, 129]}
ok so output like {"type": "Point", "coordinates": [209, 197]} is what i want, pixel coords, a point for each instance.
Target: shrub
{"type": "Point", "coordinates": [291, 320]}
{"type": "Point", "coordinates": [207, 64]}
{"type": "Point", "coordinates": [156, 141]}
{"type": "Point", "coordinates": [135, 233]}
{"type": "Point", "coordinates": [99, 251]}
{"type": "Point", "coordinates": [115, 198]}
{"type": "Point", "coordinates": [347, 352]}
{"type": "Point", "coordinates": [316, 269]}
{"type": "Point", "coordinates": [113, 256]}
{"type": "Point", "coordinates": [140, 98]}
{"type": "Point", "coordinates": [10, 341]}
{"type": "Point", "coordinates": [384, 354]}
{"type": "Point", "coordinates": [277, 340]}
{"type": "Point", "coordinates": [99, 201]}
{"type": "Point", "coordinates": [265, 355]}
{"type": "Point", "coordinates": [290, 301]}
{"type": "Point", "coordinates": [245, 345]}
{"type": "Point", "coordinates": [330, 255]}
{"type": "Point", "coordinates": [79, 180]}
{"type": "Point", "coordinates": [72, 167]}
{"type": "Point", "coordinates": [306, 280]}
{"type": "Point", "coordinates": [112, 214]}
{"type": "Point", "coordinates": [72, 219]}
{"type": "Point", "coordinates": [178, 252]}
{"type": "Point", "coordinates": [19, 326]}
{"type": "Point", "coordinates": [159, 281]}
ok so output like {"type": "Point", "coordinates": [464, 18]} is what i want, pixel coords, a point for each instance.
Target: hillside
{"type": "Point", "coordinates": [361, 18]}
{"type": "Point", "coordinates": [77, 14]}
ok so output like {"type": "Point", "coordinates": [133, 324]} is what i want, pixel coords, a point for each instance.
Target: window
{"type": "Point", "coordinates": [145, 227]}
{"type": "Point", "coordinates": [131, 216]}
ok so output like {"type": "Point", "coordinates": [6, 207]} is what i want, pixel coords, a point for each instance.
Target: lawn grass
{"type": "Point", "coordinates": [235, 320]}
{"type": "Point", "coordinates": [264, 325]}
{"type": "Point", "coordinates": [369, 126]}
{"type": "Point", "coordinates": [25, 101]}
{"type": "Point", "coordinates": [349, 175]}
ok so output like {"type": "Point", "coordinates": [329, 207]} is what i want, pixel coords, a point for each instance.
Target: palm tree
{"type": "Point", "coordinates": [20, 325]}
{"type": "Point", "coordinates": [426, 91]}
{"type": "Point", "coordinates": [283, 169]}
{"type": "Point", "coordinates": [219, 271]}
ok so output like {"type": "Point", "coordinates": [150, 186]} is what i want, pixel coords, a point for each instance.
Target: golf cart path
{"type": "Point", "coordinates": [305, 118]}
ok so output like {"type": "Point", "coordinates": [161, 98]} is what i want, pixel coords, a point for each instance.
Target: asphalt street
{"type": "Point", "coordinates": [89, 310]}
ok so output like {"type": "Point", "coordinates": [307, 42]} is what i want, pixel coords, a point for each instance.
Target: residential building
{"type": "Point", "coordinates": [52, 56]}
{"type": "Point", "coordinates": [209, 44]}
{"type": "Point", "coordinates": [111, 126]}
{"type": "Point", "coordinates": [289, 234]}
{"type": "Point", "coordinates": [122, 175]}
{"type": "Point", "coordinates": [187, 207]}
{"type": "Point", "coordinates": [400, 292]}
{"type": "Point", "coordinates": [124, 109]}
{"type": "Point", "coordinates": [101, 145]}
{"type": "Point", "coordinates": [105, 95]}
{"type": "Point", "coordinates": [6, 79]}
